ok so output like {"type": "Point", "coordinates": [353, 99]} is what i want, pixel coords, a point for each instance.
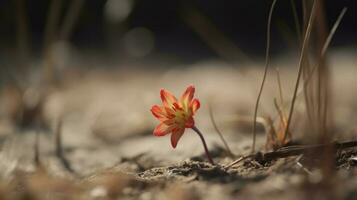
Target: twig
{"type": "Point", "coordinates": [303, 149]}
{"type": "Point", "coordinates": [294, 151]}
{"type": "Point", "coordinates": [299, 164]}
{"type": "Point", "coordinates": [238, 161]}
{"type": "Point", "coordinates": [265, 74]}
{"type": "Point", "coordinates": [59, 148]}
{"type": "Point", "coordinates": [219, 132]}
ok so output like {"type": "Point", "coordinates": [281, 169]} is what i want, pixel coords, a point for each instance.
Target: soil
{"type": "Point", "coordinates": [107, 138]}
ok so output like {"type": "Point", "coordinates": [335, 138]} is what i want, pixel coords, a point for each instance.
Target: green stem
{"type": "Point", "coordinates": [204, 144]}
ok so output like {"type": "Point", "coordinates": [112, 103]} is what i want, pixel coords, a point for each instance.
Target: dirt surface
{"type": "Point", "coordinates": [107, 137]}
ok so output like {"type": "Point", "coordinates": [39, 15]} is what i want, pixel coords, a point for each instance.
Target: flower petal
{"type": "Point", "coordinates": [195, 105]}
{"type": "Point", "coordinates": [162, 129]}
{"type": "Point", "coordinates": [176, 135]}
{"type": "Point", "coordinates": [167, 98]}
{"type": "Point", "coordinates": [159, 112]}
{"type": "Point", "coordinates": [187, 96]}
{"type": "Point", "coordinates": [170, 122]}
{"type": "Point", "coordinates": [177, 107]}
{"type": "Point", "coordinates": [170, 113]}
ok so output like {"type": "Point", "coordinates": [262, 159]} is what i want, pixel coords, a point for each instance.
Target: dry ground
{"type": "Point", "coordinates": [107, 136]}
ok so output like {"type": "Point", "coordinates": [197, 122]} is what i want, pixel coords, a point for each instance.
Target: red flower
{"type": "Point", "coordinates": [175, 115]}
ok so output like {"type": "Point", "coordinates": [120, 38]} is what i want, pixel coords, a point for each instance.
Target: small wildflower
{"type": "Point", "coordinates": [177, 115]}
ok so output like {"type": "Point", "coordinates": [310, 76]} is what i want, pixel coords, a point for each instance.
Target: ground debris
{"type": "Point", "coordinates": [188, 169]}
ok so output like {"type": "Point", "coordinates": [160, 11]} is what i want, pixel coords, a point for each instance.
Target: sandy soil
{"type": "Point", "coordinates": [107, 137]}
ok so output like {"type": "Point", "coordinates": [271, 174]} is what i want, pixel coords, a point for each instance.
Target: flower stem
{"type": "Point", "coordinates": [204, 144]}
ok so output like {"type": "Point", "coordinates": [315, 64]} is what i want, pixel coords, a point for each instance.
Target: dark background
{"type": "Point", "coordinates": [244, 22]}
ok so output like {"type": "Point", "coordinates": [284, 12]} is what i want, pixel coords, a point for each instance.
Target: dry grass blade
{"type": "Point", "coordinates": [229, 152]}
{"type": "Point", "coordinates": [279, 85]}
{"type": "Point", "coordinates": [71, 19]}
{"type": "Point", "coordinates": [22, 32]}
{"type": "Point", "coordinates": [333, 30]}
{"type": "Point", "coordinates": [52, 22]}
{"type": "Point", "coordinates": [324, 49]}
{"type": "Point", "coordinates": [276, 136]}
{"type": "Point", "coordinates": [238, 161]}
{"type": "Point", "coordinates": [267, 53]}
{"type": "Point", "coordinates": [296, 20]}
{"type": "Point", "coordinates": [49, 35]}
{"type": "Point", "coordinates": [36, 147]}
{"type": "Point", "coordinates": [59, 148]}
{"type": "Point", "coordinates": [302, 55]}
{"type": "Point", "coordinates": [306, 71]}
{"type": "Point", "coordinates": [323, 52]}
{"type": "Point", "coordinates": [212, 36]}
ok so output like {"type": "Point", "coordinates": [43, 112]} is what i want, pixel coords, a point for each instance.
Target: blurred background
{"type": "Point", "coordinates": [117, 31]}
{"type": "Point", "coordinates": [78, 79]}
{"type": "Point", "coordinates": [98, 66]}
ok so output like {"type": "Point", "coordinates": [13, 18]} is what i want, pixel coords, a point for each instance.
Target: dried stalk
{"type": "Point", "coordinates": [302, 55]}
{"type": "Point", "coordinates": [71, 18]}
{"type": "Point", "coordinates": [265, 74]}
{"type": "Point", "coordinates": [228, 150]}
{"type": "Point", "coordinates": [59, 148]}
{"type": "Point", "coordinates": [36, 148]}
{"type": "Point", "coordinates": [294, 151]}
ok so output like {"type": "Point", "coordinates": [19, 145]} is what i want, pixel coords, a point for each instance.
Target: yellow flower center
{"type": "Point", "coordinates": [183, 119]}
